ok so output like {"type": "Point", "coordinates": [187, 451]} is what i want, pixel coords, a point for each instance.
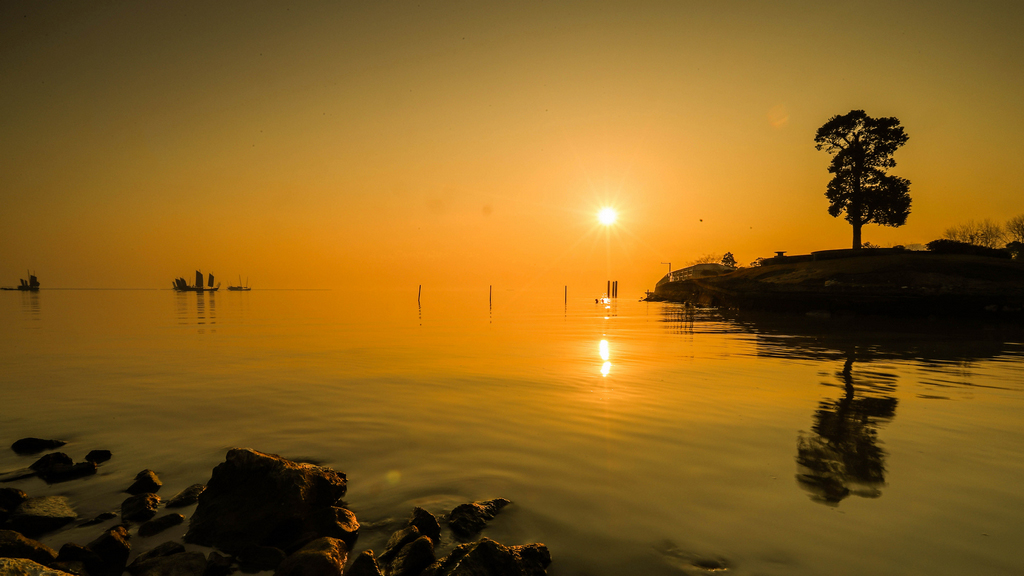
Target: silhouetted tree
{"type": "Point", "coordinates": [985, 233]}
{"type": "Point", "coordinates": [729, 260]}
{"type": "Point", "coordinates": [706, 259]}
{"type": "Point", "coordinates": [1015, 228]}
{"type": "Point", "coordinates": [862, 149]}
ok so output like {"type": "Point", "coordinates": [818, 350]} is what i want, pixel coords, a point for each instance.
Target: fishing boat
{"type": "Point", "coordinates": [32, 285]}
{"type": "Point", "coordinates": [181, 285]}
{"type": "Point", "coordinates": [241, 287]}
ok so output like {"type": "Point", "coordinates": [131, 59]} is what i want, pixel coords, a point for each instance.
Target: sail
{"type": "Point", "coordinates": [199, 279]}
{"type": "Point", "coordinates": [210, 284]}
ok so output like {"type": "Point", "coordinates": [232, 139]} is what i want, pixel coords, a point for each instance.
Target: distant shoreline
{"type": "Point", "coordinates": [905, 284]}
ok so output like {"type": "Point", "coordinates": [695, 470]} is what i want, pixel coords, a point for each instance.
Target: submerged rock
{"type": "Point", "coordinates": [468, 519]}
{"type": "Point", "coordinates": [98, 456]}
{"type": "Point", "coordinates": [145, 482]}
{"type": "Point", "coordinates": [36, 516]}
{"type": "Point", "coordinates": [157, 525]}
{"type": "Point", "coordinates": [99, 519]}
{"type": "Point", "coordinates": [26, 567]}
{"type": "Point", "coordinates": [322, 557]}
{"type": "Point", "coordinates": [65, 473]}
{"type": "Point", "coordinates": [139, 508]}
{"type": "Point", "coordinates": [186, 497]}
{"type": "Point", "coordinates": [51, 460]}
{"type": "Point", "coordinates": [489, 558]}
{"type": "Point", "coordinates": [12, 475]}
{"type": "Point", "coordinates": [35, 445]}
{"type": "Point", "coordinates": [14, 545]}
{"type": "Point", "coordinates": [254, 498]}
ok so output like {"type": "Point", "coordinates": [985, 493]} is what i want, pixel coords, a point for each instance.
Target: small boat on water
{"type": "Point", "coordinates": [31, 285]}
{"type": "Point", "coordinates": [241, 287]}
{"type": "Point", "coordinates": [181, 285]}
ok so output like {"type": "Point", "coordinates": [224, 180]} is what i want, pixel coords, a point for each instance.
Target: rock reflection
{"type": "Point", "coordinates": [842, 455]}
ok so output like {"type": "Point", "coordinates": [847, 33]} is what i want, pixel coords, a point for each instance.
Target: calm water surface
{"type": "Point", "coordinates": [637, 439]}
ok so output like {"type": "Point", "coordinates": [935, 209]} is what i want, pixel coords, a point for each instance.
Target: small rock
{"type": "Point", "coordinates": [51, 460]}
{"type": "Point", "coordinates": [183, 564]}
{"type": "Point", "coordinates": [412, 558]}
{"type": "Point", "coordinates": [397, 541]}
{"type": "Point", "coordinates": [157, 525]}
{"type": "Point", "coordinates": [468, 519]}
{"type": "Point", "coordinates": [489, 557]}
{"type": "Point", "coordinates": [65, 473]}
{"type": "Point", "coordinates": [337, 523]}
{"type": "Point", "coordinates": [322, 557]}
{"type": "Point", "coordinates": [113, 549]}
{"type": "Point", "coordinates": [186, 497]}
{"type": "Point", "coordinates": [35, 445]}
{"type": "Point", "coordinates": [100, 519]}
{"type": "Point", "coordinates": [98, 456]}
{"type": "Point", "coordinates": [259, 558]}
{"type": "Point", "coordinates": [145, 482]}
{"type": "Point", "coordinates": [14, 545]}
{"type": "Point", "coordinates": [364, 565]}
{"type": "Point", "coordinates": [71, 553]}
{"type": "Point", "coordinates": [166, 549]}
{"type": "Point", "coordinates": [139, 508]}
{"type": "Point", "coordinates": [426, 523]}
{"type": "Point", "coordinates": [36, 516]}
{"type": "Point", "coordinates": [217, 565]}
{"type": "Point", "coordinates": [26, 567]}
{"type": "Point", "coordinates": [10, 498]}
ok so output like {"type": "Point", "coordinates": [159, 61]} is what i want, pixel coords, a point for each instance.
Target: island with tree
{"type": "Point", "coordinates": [968, 272]}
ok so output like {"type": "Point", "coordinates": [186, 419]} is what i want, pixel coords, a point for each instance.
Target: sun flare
{"type": "Point", "coordinates": [607, 216]}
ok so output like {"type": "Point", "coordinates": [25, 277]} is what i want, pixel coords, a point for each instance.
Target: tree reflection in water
{"type": "Point", "coordinates": [842, 456]}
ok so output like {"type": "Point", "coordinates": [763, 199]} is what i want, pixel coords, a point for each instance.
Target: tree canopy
{"type": "Point", "coordinates": [862, 148]}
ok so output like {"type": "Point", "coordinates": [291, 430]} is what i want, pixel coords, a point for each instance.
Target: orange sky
{"type": "Point", "coordinates": [460, 144]}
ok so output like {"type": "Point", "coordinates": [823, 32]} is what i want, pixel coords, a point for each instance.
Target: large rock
{"type": "Point", "coordinates": [26, 567]}
{"type": "Point", "coordinates": [254, 498]}
{"type": "Point", "coordinates": [139, 508]}
{"type": "Point", "coordinates": [322, 557]}
{"type": "Point", "coordinates": [157, 525]}
{"type": "Point", "coordinates": [489, 558]}
{"type": "Point", "coordinates": [217, 565]}
{"type": "Point", "coordinates": [36, 516]}
{"type": "Point", "coordinates": [113, 549]}
{"type": "Point", "coordinates": [58, 467]}
{"type": "Point", "coordinates": [183, 564]}
{"type": "Point", "coordinates": [51, 460]}
{"type": "Point", "coordinates": [145, 481]}
{"type": "Point", "coordinates": [468, 519]}
{"type": "Point", "coordinates": [35, 445]}
{"type": "Point", "coordinates": [14, 545]}
{"type": "Point", "coordinates": [186, 497]}
{"type": "Point", "coordinates": [426, 523]}
{"type": "Point", "coordinates": [259, 559]}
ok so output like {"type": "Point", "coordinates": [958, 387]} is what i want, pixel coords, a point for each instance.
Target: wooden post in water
{"type": "Point", "coordinates": [490, 295]}
{"type": "Point", "coordinates": [566, 295]}
{"type": "Point", "coordinates": [608, 290]}
{"type": "Point", "coordinates": [418, 293]}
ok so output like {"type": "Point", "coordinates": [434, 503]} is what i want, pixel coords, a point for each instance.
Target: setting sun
{"type": "Point", "coordinates": [607, 216]}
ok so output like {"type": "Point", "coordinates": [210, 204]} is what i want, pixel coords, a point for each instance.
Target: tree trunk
{"type": "Point", "coordinates": [856, 236]}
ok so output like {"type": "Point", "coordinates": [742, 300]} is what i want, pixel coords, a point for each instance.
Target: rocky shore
{"type": "Point", "coordinates": [906, 284]}
{"type": "Point", "coordinates": [257, 513]}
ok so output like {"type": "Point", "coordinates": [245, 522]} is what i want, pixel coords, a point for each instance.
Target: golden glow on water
{"type": "Point", "coordinates": [709, 425]}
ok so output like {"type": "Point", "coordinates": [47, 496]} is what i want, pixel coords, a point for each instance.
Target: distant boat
{"type": "Point", "coordinates": [32, 285]}
{"type": "Point", "coordinates": [241, 287]}
{"type": "Point", "coordinates": [181, 285]}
